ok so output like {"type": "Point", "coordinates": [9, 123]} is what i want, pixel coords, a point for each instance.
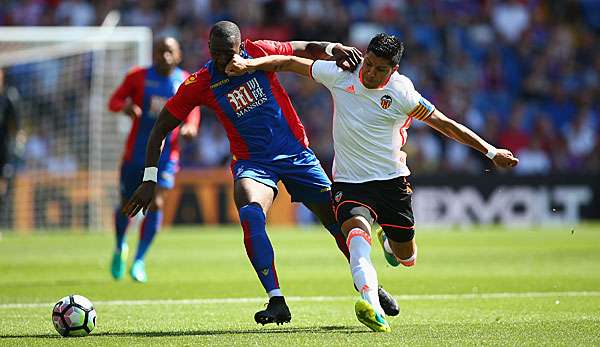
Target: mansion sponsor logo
{"type": "Point", "coordinates": [246, 97]}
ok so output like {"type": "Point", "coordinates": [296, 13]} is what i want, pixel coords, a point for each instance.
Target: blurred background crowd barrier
{"type": "Point", "coordinates": [523, 74]}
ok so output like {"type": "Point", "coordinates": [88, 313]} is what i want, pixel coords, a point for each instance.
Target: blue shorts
{"type": "Point", "coordinates": [131, 177]}
{"type": "Point", "coordinates": [302, 175]}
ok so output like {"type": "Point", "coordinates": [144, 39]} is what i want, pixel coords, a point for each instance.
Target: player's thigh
{"type": "Point", "coordinates": [353, 206]}
{"type": "Point", "coordinates": [254, 183]}
{"type": "Point", "coordinates": [307, 182]}
{"type": "Point", "coordinates": [247, 191]}
{"type": "Point", "coordinates": [323, 211]}
{"type": "Point", "coordinates": [395, 211]}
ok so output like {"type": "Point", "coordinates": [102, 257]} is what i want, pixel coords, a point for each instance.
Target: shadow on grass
{"type": "Point", "coordinates": [290, 330]}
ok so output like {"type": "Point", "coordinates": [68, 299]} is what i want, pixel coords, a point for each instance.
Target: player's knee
{"type": "Point", "coordinates": [356, 217]}
{"type": "Point", "coordinates": [355, 222]}
{"type": "Point", "coordinates": [156, 204]}
{"type": "Point", "coordinates": [159, 200]}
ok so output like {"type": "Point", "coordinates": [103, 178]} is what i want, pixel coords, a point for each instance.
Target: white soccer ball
{"type": "Point", "coordinates": [74, 315]}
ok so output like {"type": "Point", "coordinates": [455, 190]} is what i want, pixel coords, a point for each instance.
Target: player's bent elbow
{"type": "Point", "coordinates": [115, 105]}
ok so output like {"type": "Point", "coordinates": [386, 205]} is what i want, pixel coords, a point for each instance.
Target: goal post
{"type": "Point", "coordinates": [70, 146]}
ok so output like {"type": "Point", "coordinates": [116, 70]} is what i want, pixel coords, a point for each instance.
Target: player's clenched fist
{"type": "Point", "coordinates": [132, 110]}
{"type": "Point", "coordinates": [237, 66]}
{"type": "Point", "coordinates": [504, 158]}
{"type": "Point", "coordinates": [346, 57]}
{"type": "Point", "coordinates": [141, 199]}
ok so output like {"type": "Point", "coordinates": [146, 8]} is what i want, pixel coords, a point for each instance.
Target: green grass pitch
{"type": "Point", "coordinates": [474, 286]}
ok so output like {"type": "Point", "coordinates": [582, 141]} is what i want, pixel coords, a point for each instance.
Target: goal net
{"type": "Point", "coordinates": [68, 150]}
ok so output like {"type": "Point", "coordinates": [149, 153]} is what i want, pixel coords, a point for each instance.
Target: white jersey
{"type": "Point", "coordinates": [369, 125]}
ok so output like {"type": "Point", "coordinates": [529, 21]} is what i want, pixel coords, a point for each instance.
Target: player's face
{"type": "Point", "coordinates": [223, 50]}
{"type": "Point", "coordinates": [375, 70]}
{"type": "Point", "coordinates": [167, 54]}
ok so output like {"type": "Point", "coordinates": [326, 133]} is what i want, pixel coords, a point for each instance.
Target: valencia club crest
{"type": "Point", "coordinates": [386, 102]}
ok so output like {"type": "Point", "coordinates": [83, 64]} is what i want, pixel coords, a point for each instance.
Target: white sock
{"type": "Point", "coordinates": [363, 272]}
{"type": "Point", "coordinates": [387, 247]}
{"type": "Point", "coordinates": [275, 292]}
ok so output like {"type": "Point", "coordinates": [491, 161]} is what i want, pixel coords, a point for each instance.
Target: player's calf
{"type": "Point", "coordinates": [410, 261]}
{"type": "Point", "coordinates": [399, 248]}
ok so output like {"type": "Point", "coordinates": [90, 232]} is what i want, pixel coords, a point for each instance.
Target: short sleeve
{"type": "Point", "coordinates": [325, 72]}
{"type": "Point", "coordinates": [188, 96]}
{"type": "Point", "coordinates": [412, 103]}
{"type": "Point", "coordinates": [263, 48]}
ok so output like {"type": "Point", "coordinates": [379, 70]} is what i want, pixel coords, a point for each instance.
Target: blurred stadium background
{"type": "Point", "coordinates": [524, 74]}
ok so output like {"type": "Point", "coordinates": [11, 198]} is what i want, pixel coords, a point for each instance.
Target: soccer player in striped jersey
{"type": "Point", "coordinates": [374, 105]}
{"type": "Point", "coordinates": [142, 96]}
{"type": "Point", "coordinates": [268, 144]}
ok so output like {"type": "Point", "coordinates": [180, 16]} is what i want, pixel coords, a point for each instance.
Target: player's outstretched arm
{"type": "Point", "coordinates": [458, 132]}
{"type": "Point", "coordinates": [143, 196]}
{"type": "Point", "coordinates": [346, 57]}
{"type": "Point", "coordinates": [239, 66]}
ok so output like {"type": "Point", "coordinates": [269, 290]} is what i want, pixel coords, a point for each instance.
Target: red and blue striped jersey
{"type": "Point", "coordinates": [150, 91]}
{"type": "Point", "coordinates": [255, 110]}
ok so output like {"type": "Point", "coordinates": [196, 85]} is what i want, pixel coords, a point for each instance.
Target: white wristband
{"type": "Point", "coordinates": [491, 153]}
{"type": "Point", "coordinates": [150, 174]}
{"type": "Point", "coordinates": [329, 48]}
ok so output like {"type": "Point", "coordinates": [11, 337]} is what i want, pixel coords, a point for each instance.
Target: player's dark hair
{"type": "Point", "coordinates": [224, 30]}
{"type": "Point", "coordinates": [387, 46]}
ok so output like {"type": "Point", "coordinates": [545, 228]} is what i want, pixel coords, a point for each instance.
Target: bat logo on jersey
{"type": "Point", "coordinates": [246, 97]}
{"type": "Point", "coordinates": [156, 105]}
{"type": "Point", "coordinates": [386, 102]}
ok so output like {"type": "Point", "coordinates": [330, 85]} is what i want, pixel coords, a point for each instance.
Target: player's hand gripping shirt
{"type": "Point", "coordinates": [369, 125]}
{"type": "Point", "coordinates": [150, 91]}
{"type": "Point", "coordinates": [255, 110]}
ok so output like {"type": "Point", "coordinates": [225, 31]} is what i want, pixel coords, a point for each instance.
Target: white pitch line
{"type": "Point", "coordinates": [418, 297]}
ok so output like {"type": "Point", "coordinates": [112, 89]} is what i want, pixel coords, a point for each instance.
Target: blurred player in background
{"type": "Point", "coordinates": [142, 96]}
{"type": "Point", "coordinates": [374, 106]}
{"type": "Point", "coordinates": [268, 144]}
{"type": "Point", "coordinates": [9, 126]}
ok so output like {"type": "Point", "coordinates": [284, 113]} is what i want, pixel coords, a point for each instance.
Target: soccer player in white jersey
{"type": "Point", "coordinates": [374, 105]}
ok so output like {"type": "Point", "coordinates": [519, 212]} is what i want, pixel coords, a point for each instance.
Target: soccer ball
{"type": "Point", "coordinates": [74, 315]}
